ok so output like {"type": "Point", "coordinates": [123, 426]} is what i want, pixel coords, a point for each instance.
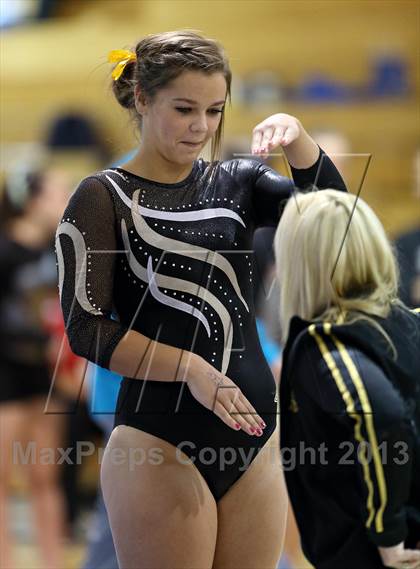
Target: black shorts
{"type": "Point", "coordinates": [21, 381]}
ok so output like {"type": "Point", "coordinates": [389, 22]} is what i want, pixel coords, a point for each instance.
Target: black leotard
{"type": "Point", "coordinates": [174, 262]}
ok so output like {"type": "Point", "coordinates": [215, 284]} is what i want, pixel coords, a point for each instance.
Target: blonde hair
{"type": "Point", "coordinates": [334, 260]}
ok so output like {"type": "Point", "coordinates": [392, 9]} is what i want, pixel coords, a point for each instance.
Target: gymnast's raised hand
{"type": "Point", "coordinates": [277, 130]}
{"type": "Point", "coordinates": [286, 131]}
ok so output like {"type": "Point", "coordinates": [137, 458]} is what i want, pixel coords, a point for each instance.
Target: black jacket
{"type": "Point", "coordinates": [350, 424]}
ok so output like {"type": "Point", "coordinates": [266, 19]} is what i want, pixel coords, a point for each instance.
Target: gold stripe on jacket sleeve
{"type": "Point", "coordinates": [368, 417]}
{"type": "Point", "coordinates": [351, 410]}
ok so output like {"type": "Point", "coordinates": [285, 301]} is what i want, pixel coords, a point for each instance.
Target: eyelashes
{"type": "Point", "coordinates": [187, 110]}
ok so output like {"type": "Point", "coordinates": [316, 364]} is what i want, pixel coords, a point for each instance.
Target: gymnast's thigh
{"type": "Point", "coordinates": [252, 515]}
{"type": "Point", "coordinates": [161, 512]}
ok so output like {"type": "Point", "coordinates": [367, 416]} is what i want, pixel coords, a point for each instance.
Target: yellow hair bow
{"type": "Point", "coordinates": [121, 57]}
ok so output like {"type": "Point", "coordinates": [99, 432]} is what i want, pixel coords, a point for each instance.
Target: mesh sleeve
{"type": "Point", "coordinates": [86, 251]}
{"type": "Point", "coordinates": [323, 175]}
{"type": "Point", "coordinates": [271, 190]}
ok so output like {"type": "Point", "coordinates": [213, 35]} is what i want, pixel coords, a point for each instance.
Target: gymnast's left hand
{"type": "Point", "coordinates": [277, 130]}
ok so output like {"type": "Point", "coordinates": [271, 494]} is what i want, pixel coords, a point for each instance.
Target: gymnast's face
{"type": "Point", "coordinates": [183, 116]}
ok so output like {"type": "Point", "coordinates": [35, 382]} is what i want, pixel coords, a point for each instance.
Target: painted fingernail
{"type": "Point", "coordinates": [263, 425]}
{"type": "Point", "coordinates": [252, 429]}
{"type": "Point", "coordinates": [237, 426]}
{"type": "Point", "coordinates": [259, 432]}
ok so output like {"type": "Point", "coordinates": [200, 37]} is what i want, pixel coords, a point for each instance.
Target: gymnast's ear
{"type": "Point", "coordinates": [140, 101]}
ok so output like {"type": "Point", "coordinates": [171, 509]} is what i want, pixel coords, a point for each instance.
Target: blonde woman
{"type": "Point", "coordinates": [350, 386]}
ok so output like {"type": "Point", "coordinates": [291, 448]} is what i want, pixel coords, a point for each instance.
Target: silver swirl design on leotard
{"type": "Point", "coordinates": [117, 173]}
{"type": "Point", "coordinates": [179, 247]}
{"type": "Point", "coordinates": [80, 273]}
{"type": "Point", "coordinates": [197, 215]}
{"type": "Point", "coordinates": [174, 303]}
{"type": "Point", "coordinates": [173, 283]}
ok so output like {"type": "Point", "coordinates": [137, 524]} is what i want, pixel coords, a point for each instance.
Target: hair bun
{"type": "Point", "coordinates": [123, 83]}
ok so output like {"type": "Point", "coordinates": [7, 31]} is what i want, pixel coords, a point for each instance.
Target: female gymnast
{"type": "Point", "coordinates": [163, 244]}
{"type": "Point", "coordinates": [350, 386]}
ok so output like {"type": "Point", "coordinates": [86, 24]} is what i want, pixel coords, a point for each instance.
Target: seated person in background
{"type": "Point", "coordinates": [408, 254]}
{"type": "Point", "coordinates": [350, 386]}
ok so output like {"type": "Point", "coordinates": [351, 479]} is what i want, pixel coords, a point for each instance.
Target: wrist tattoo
{"type": "Point", "coordinates": [215, 377]}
